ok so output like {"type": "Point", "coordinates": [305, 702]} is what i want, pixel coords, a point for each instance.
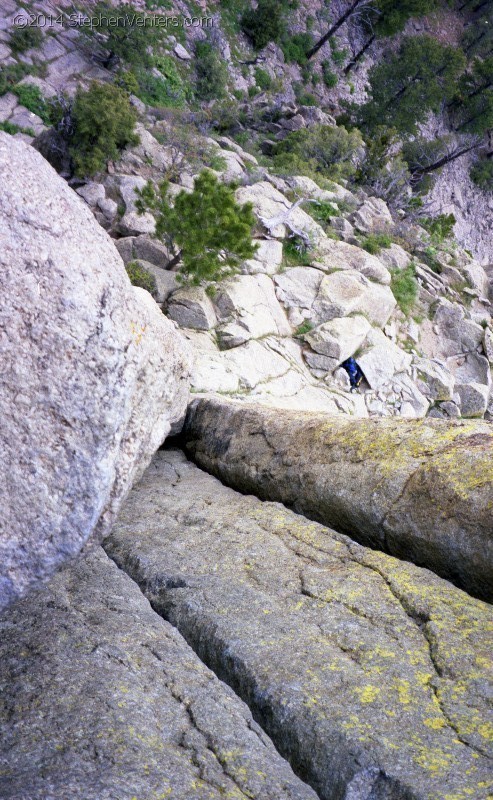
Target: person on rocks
{"type": "Point", "coordinates": [354, 371]}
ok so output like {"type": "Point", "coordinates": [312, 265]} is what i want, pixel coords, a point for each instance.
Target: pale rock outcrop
{"type": "Point", "coordinates": [165, 280]}
{"type": "Point", "coordinates": [339, 338]}
{"type": "Point", "coordinates": [113, 703]}
{"type": "Point", "coordinates": [371, 675]}
{"type": "Point", "coordinates": [372, 215]}
{"type": "Point", "coordinates": [419, 489]}
{"type": "Point", "coordinates": [191, 307]}
{"type": "Point", "coordinates": [92, 193]}
{"type": "Point", "coordinates": [394, 257]}
{"type": "Point", "coordinates": [471, 367]}
{"type": "Point", "coordinates": [381, 359]}
{"type": "Point", "coordinates": [348, 292]}
{"type": "Point", "coordinates": [229, 144]}
{"type": "Point", "coordinates": [298, 287]}
{"type": "Point", "coordinates": [488, 344]}
{"type": "Point", "coordinates": [181, 52]}
{"type": "Point", "coordinates": [268, 257]}
{"type": "Point", "coordinates": [269, 204]}
{"type": "Point", "coordinates": [144, 247]}
{"type": "Point", "coordinates": [93, 376]}
{"type": "Point", "coordinates": [414, 403]}
{"type": "Point", "coordinates": [473, 399]}
{"type": "Point", "coordinates": [249, 302]}
{"type": "Point", "coordinates": [132, 222]}
{"type": "Point", "coordinates": [434, 379]}
{"type": "Point", "coordinates": [148, 151]}
{"type": "Point", "coordinates": [455, 329]}
{"type": "Point", "coordinates": [334, 255]}
{"type": "Point", "coordinates": [476, 277]}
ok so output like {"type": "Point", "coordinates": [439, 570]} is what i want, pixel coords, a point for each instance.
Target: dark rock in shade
{"type": "Point", "coordinates": [370, 674]}
{"type": "Point", "coordinates": [419, 489]}
{"type": "Point", "coordinates": [92, 375]}
{"type": "Point", "coordinates": [103, 700]}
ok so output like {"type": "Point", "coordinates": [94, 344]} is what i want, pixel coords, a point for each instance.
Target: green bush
{"type": "Point", "coordinates": [140, 276]}
{"type": "Point", "coordinates": [329, 150]}
{"type": "Point", "coordinates": [375, 242]}
{"type": "Point", "coordinates": [265, 23]}
{"type": "Point", "coordinates": [306, 99]}
{"type": "Point", "coordinates": [208, 233]}
{"type": "Point", "coordinates": [295, 252]}
{"type": "Point", "coordinates": [11, 75]}
{"type": "Point", "coordinates": [329, 77]}
{"type": "Point", "coordinates": [128, 35]}
{"type": "Point", "coordinates": [305, 327]}
{"type": "Point", "coordinates": [338, 56]}
{"type": "Point", "coordinates": [430, 257]}
{"type": "Point", "coordinates": [103, 124]}
{"type": "Point", "coordinates": [263, 79]}
{"type": "Point", "coordinates": [22, 39]}
{"type": "Point", "coordinates": [482, 174]}
{"type": "Point", "coordinates": [32, 99]}
{"type": "Point", "coordinates": [296, 47]}
{"type": "Point", "coordinates": [323, 211]}
{"type": "Point", "coordinates": [166, 91]}
{"type": "Point", "coordinates": [10, 128]}
{"type": "Point", "coordinates": [404, 288]}
{"type": "Point", "coordinates": [211, 72]}
{"type": "Point", "coordinates": [440, 227]}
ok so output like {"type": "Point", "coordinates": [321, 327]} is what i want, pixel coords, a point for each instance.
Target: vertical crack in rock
{"type": "Point", "coordinates": [337, 663]}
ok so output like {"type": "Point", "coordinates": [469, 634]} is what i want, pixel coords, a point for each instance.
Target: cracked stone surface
{"type": "Point", "coordinates": [370, 674]}
{"type": "Point", "coordinates": [418, 489]}
{"type": "Point", "coordinates": [102, 699]}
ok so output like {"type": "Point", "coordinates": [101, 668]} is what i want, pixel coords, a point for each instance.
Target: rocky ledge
{"type": "Point", "coordinates": [102, 699]}
{"type": "Point", "coordinates": [371, 675]}
{"type": "Point", "coordinates": [418, 489]}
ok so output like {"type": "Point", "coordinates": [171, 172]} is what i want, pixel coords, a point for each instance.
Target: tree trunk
{"type": "Point", "coordinates": [174, 264]}
{"type": "Point", "coordinates": [445, 160]}
{"type": "Point", "coordinates": [335, 27]}
{"type": "Point", "coordinates": [359, 55]}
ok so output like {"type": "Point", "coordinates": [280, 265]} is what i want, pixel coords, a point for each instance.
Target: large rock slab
{"type": "Point", "coordinates": [93, 376]}
{"type": "Point", "coordinates": [419, 489]}
{"type": "Point", "coordinates": [371, 675]}
{"type": "Point", "coordinates": [334, 255]}
{"type": "Point", "coordinates": [249, 303]}
{"type": "Point", "coordinates": [103, 699]}
{"type": "Point", "coordinates": [348, 292]}
{"type": "Point", "coordinates": [339, 338]}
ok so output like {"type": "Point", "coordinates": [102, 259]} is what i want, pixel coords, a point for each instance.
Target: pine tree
{"type": "Point", "coordinates": [127, 34]}
{"type": "Point", "coordinates": [206, 230]}
{"type": "Point", "coordinates": [265, 23]}
{"type": "Point", "coordinates": [412, 83]}
{"type": "Point", "coordinates": [102, 123]}
{"type": "Point", "coordinates": [474, 106]}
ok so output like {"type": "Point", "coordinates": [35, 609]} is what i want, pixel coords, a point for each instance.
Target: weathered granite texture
{"type": "Point", "coordinates": [419, 489]}
{"type": "Point", "coordinates": [370, 674]}
{"type": "Point", "coordinates": [92, 374]}
{"type": "Point", "coordinates": [103, 700]}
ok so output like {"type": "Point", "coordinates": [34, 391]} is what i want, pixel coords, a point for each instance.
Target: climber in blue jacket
{"type": "Point", "coordinates": [354, 371]}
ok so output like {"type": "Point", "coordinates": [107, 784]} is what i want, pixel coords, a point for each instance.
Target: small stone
{"type": "Point", "coordinates": [182, 53]}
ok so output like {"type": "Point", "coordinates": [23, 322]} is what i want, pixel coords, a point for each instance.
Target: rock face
{"type": "Point", "coordinates": [421, 490]}
{"type": "Point", "coordinates": [92, 376]}
{"type": "Point", "coordinates": [106, 700]}
{"type": "Point", "coordinates": [371, 675]}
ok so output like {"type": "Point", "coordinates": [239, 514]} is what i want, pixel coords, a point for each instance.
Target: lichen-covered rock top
{"type": "Point", "coordinates": [102, 699]}
{"type": "Point", "coordinates": [419, 489]}
{"type": "Point", "coordinates": [92, 375]}
{"type": "Point", "coordinates": [370, 674]}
